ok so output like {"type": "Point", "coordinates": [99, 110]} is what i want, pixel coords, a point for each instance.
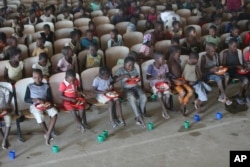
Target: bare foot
{"type": "Point", "coordinates": [47, 139]}
{"type": "Point", "coordinates": [165, 115]}
{"type": "Point", "coordinates": [5, 144]}
{"type": "Point", "coordinates": [197, 106]}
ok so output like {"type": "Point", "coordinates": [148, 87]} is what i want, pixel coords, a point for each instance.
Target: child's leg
{"type": "Point", "coordinates": [162, 101]}
{"type": "Point", "coordinates": [111, 115]}
{"type": "Point", "coordinates": [119, 111]}
{"type": "Point", "coordinates": [189, 93]}
{"type": "Point", "coordinates": [5, 142]}
{"type": "Point", "coordinates": [142, 101]}
{"type": "Point", "coordinates": [181, 93]}
{"type": "Point", "coordinates": [84, 118]}
{"type": "Point", "coordinates": [77, 119]}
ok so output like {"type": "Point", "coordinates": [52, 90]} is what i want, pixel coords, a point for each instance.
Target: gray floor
{"type": "Point", "coordinates": [206, 144]}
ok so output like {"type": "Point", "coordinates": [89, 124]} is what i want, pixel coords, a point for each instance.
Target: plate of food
{"type": "Point", "coordinates": [222, 70]}
{"type": "Point", "coordinates": [162, 86]}
{"type": "Point", "coordinates": [42, 106]}
{"type": "Point", "coordinates": [133, 81]}
{"type": "Point", "coordinates": [242, 71]}
{"type": "Point", "coordinates": [111, 94]}
{"type": "Point", "coordinates": [79, 101]}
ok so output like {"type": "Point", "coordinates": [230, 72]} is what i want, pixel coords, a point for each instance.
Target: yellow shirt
{"type": "Point", "coordinates": [37, 51]}
{"type": "Point", "coordinates": [93, 61]}
{"type": "Point", "coordinates": [15, 73]}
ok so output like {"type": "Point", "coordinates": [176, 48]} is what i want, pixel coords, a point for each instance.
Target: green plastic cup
{"type": "Point", "coordinates": [105, 133]}
{"type": "Point", "coordinates": [100, 138]}
{"type": "Point", "coordinates": [186, 124]}
{"type": "Point", "coordinates": [55, 148]}
{"type": "Point", "coordinates": [150, 126]}
{"type": "Point", "coordinates": [153, 97]}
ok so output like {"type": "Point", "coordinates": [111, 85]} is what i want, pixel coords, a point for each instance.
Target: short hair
{"type": "Point", "coordinates": [133, 54]}
{"type": "Point", "coordinates": [210, 44]}
{"type": "Point", "coordinates": [175, 22]}
{"type": "Point", "coordinates": [91, 22]}
{"type": "Point", "coordinates": [194, 55]}
{"type": "Point", "coordinates": [46, 26]}
{"type": "Point", "coordinates": [89, 31]}
{"type": "Point", "coordinates": [47, 8]}
{"type": "Point", "coordinates": [70, 73]}
{"type": "Point", "coordinates": [115, 31]}
{"type": "Point", "coordinates": [190, 29]}
{"type": "Point", "coordinates": [93, 45]}
{"type": "Point", "coordinates": [175, 40]}
{"type": "Point", "coordinates": [37, 71]}
{"type": "Point", "coordinates": [65, 50]}
{"type": "Point", "coordinates": [231, 41]}
{"type": "Point", "coordinates": [174, 49]}
{"type": "Point", "coordinates": [41, 39]}
{"type": "Point", "coordinates": [157, 55]}
{"type": "Point", "coordinates": [43, 56]}
{"type": "Point", "coordinates": [235, 27]}
{"type": "Point", "coordinates": [75, 32]}
{"type": "Point", "coordinates": [14, 51]}
{"type": "Point", "coordinates": [158, 23]}
{"type": "Point", "coordinates": [104, 71]}
{"type": "Point", "coordinates": [213, 27]}
{"type": "Point", "coordinates": [129, 59]}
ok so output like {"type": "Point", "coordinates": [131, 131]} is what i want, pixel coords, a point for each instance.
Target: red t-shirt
{"type": "Point", "coordinates": [247, 56]}
{"type": "Point", "coordinates": [152, 17]}
{"type": "Point", "coordinates": [69, 90]}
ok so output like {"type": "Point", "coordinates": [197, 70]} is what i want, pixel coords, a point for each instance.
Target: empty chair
{"type": "Point", "coordinates": [132, 38]}
{"type": "Point", "coordinates": [145, 9]}
{"type": "Point", "coordinates": [63, 33]}
{"type": "Point", "coordinates": [160, 8]}
{"type": "Point", "coordinates": [64, 24]}
{"type": "Point", "coordinates": [162, 46]}
{"type": "Point", "coordinates": [28, 62]}
{"type": "Point", "coordinates": [136, 48]}
{"type": "Point", "coordinates": [7, 30]}
{"type": "Point", "coordinates": [29, 29]}
{"type": "Point", "coordinates": [115, 53]}
{"type": "Point", "coordinates": [122, 27]}
{"type": "Point", "coordinates": [96, 13]}
{"type": "Point", "coordinates": [141, 24]}
{"type": "Point", "coordinates": [112, 12]}
{"type": "Point", "coordinates": [60, 43]}
{"type": "Point", "coordinates": [193, 20]}
{"type": "Point", "coordinates": [39, 26]}
{"type": "Point", "coordinates": [101, 20]}
{"type": "Point", "coordinates": [184, 13]}
{"type": "Point", "coordinates": [81, 22]}
{"type": "Point", "coordinates": [104, 29]}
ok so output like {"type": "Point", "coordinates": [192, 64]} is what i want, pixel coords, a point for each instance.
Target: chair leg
{"type": "Point", "coordinates": [19, 133]}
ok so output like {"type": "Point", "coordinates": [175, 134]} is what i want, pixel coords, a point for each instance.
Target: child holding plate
{"type": "Point", "coordinates": [102, 86]}
{"type": "Point", "coordinates": [157, 75]}
{"type": "Point", "coordinates": [128, 75]}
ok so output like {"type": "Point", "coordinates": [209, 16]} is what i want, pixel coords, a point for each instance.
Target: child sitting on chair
{"type": "Point", "coordinates": [132, 91]}
{"type": "Point", "coordinates": [68, 61]}
{"type": "Point", "coordinates": [40, 48]}
{"type": "Point", "coordinates": [5, 99]}
{"type": "Point", "coordinates": [192, 75]}
{"type": "Point", "coordinates": [146, 50]}
{"type": "Point", "coordinates": [92, 59]}
{"type": "Point", "coordinates": [180, 85]}
{"type": "Point", "coordinates": [72, 102]}
{"type": "Point", "coordinates": [157, 72]}
{"type": "Point", "coordinates": [43, 64]}
{"type": "Point", "coordinates": [103, 84]}
{"type": "Point", "coordinates": [39, 93]}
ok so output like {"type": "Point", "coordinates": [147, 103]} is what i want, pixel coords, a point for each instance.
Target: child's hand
{"type": "Point", "coordinates": [73, 100]}
{"type": "Point", "coordinates": [215, 69]}
{"type": "Point", "coordinates": [126, 76]}
{"type": "Point", "coordinates": [40, 101]}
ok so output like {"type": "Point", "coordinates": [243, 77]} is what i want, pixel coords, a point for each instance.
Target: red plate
{"type": "Point", "coordinates": [41, 106]}
{"type": "Point", "coordinates": [242, 71]}
{"type": "Point", "coordinates": [111, 97]}
{"type": "Point", "coordinates": [222, 70]}
{"type": "Point", "coordinates": [133, 81]}
{"type": "Point", "coordinates": [2, 114]}
{"type": "Point", "coordinates": [162, 86]}
{"type": "Point", "coordinates": [79, 102]}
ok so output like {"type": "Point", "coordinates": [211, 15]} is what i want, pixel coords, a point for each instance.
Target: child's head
{"type": "Point", "coordinates": [129, 63]}
{"type": "Point", "coordinates": [234, 20]}
{"type": "Point", "coordinates": [67, 52]}
{"type": "Point", "coordinates": [37, 76]}
{"type": "Point", "coordinates": [210, 49]}
{"type": "Point", "coordinates": [89, 34]}
{"type": "Point", "coordinates": [219, 8]}
{"type": "Point", "coordinates": [190, 32]}
{"type": "Point", "coordinates": [212, 30]}
{"type": "Point", "coordinates": [15, 54]}
{"type": "Point", "coordinates": [104, 73]}
{"type": "Point", "coordinates": [153, 9]}
{"type": "Point", "coordinates": [91, 25]}
{"type": "Point", "coordinates": [235, 31]}
{"type": "Point", "coordinates": [47, 11]}
{"type": "Point", "coordinates": [12, 41]}
{"type": "Point", "coordinates": [114, 34]}
{"type": "Point", "coordinates": [158, 26]}
{"type": "Point", "coordinates": [159, 58]}
{"type": "Point", "coordinates": [175, 52]}
{"type": "Point", "coordinates": [46, 29]}
{"type": "Point", "coordinates": [70, 76]}
{"type": "Point", "coordinates": [175, 42]}
{"type": "Point", "coordinates": [176, 25]}
{"type": "Point", "coordinates": [43, 59]}
{"type": "Point", "coordinates": [93, 49]}
{"type": "Point", "coordinates": [217, 19]}
{"type": "Point", "coordinates": [19, 28]}
{"type": "Point", "coordinates": [232, 45]}
{"type": "Point", "coordinates": [40, 42]}
{"type": "Point", "coordinates": [16, 20]}
{"type": "Point", "coordinates": [193, 58]}
{"type": "Point", "coordinates": [133, 54]}
{"type": "Point", "coordinates": [65, 13]}
{"type": "Point", "coordinates": [75, 35]}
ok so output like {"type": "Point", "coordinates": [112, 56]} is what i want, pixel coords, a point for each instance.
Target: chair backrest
{"type": "Point", "coordinates": [7, 30]}
{"type": "Point", "coordinates": [122, 27]}
{"type": "Point", "coordinates": [184, 59]}
{"type": "Point", "coordinates": [60, 43]}
{"type": "Point", "coordinates": [104, 41]}
{"type": "Point", "coordinates": [96, 13]}
{"type": "Point", "coordinates": [197, 29]}
{"type": "Point", "coordinates": [193, 20]}
{"type": "Point", "coordinates": [63, 33]}
{"type": "Point", "coordinates": [184, 13]}
{"type": "Point", "coordinates": [64, 24]}
{"type": "Point", "coordinates": [199, 59]}
{"type": "Point", "coordinates": [54, 60]}
{"type": "Point", "coordinates": [112, 12]}
{"type": "Point", "coordinates": [83, 30]}
{"type": "Point", "coordinates": [28, 62]}
{"type": "Point", "coordinates": [39, 26]}
{"type": "Point", "coordinates": [24, 50]}
{"type": "Point", "coordinates": [162, 46]}
{"type": "Point", "coordinates": [114, 53]}
{"type": "Point", "coordinates": [144, 68]}
{"type": "Point", "coordinates": [104, 29]}
{"type": "Point", "coordinates": [87, 77]}
{"type": "Point", "coordinates": [2, 67]}
{"type": "Point", "coordinates": [101, 20]}
{"type": "Point", "coordinates": [240, 56]}
{"type": "Point", "coordinates": [9, 86]}
{"type": "Point", "coordinates": [136, 48]}
{"type": "Point", "coordinates": [132, 38]}
{"type": "Point", "coordinates": [145, 9]}
{"type": "Point", "coordinates": [81, 22]}
{"type": "Point", "coordinates": [29, 29]}
{"type": "Point", "coordinates": [141, 25]}
{"type": "Point", "coordinates": [242, 25]}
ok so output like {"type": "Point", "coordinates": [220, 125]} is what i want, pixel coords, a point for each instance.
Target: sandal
{"type": "Point", "coordinates": [228, 102]}
{"type": "Point", "coordinates": [165, 116]}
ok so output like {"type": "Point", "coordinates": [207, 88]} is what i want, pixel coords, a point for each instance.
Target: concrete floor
{"type": "Point", "coordinates": [206, 144]}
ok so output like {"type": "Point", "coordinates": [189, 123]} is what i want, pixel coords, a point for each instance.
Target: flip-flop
{"type": "Point", "coordinates": [165, 116]}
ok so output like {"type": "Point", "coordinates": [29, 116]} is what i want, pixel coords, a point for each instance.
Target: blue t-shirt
{"type": "Point", "coordinates": [85, 43]}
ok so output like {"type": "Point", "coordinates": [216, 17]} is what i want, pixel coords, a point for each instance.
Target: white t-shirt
{"type": "Point", "coordinates": [44, 69]}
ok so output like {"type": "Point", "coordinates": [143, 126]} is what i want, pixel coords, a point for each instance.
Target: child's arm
{"type": "Point", "coordinates": [67, 98]}
{"type": "Point", "coordinates": [198, 72]}
{"type": "Point", "coordinates": [6, 76]}
{"type": "Point", "coordinates": [118, 78]}
{"type": "Point", "coordinates": [28, 99]}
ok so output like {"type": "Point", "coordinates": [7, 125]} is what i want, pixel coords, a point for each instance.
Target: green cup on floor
{"type": "Point", "coordinates": [186, 124]}
{"type": "Point", "coordinates": [100, 138]}
{"type": "Point", "coordinates": [150, 126]}
{"type": "Point", "coordinates": [153, 97]}
{"type": "Point", "coordinates": [105, 133]}
{"type": "Point", "coordinates": [55, 148]}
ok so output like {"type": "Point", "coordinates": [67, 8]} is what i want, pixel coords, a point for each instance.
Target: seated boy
{"type": "Point", "coordinates": [39, 93]}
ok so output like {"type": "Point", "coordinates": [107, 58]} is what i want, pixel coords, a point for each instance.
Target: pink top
{"type": "Point", "coordinates": [233, 5]}
{"type": "Point", "coordinates": [145, 50]}
{"type": "Point", "coordinates": [247, 56]}
{"type": "Point", "coordinates": [64, 65]}
{"type": "Point", "coordinates": [152, 17]}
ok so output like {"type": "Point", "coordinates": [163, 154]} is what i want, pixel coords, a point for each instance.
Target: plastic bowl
{"type": "Point", "coordinates": [242, 71]}
{"type": "Point", "coordinates": [42, 106]}
{"type": "Point", "coordinates": [222, 70]}
{"type": "Point", "coordinates": [162, 86]}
